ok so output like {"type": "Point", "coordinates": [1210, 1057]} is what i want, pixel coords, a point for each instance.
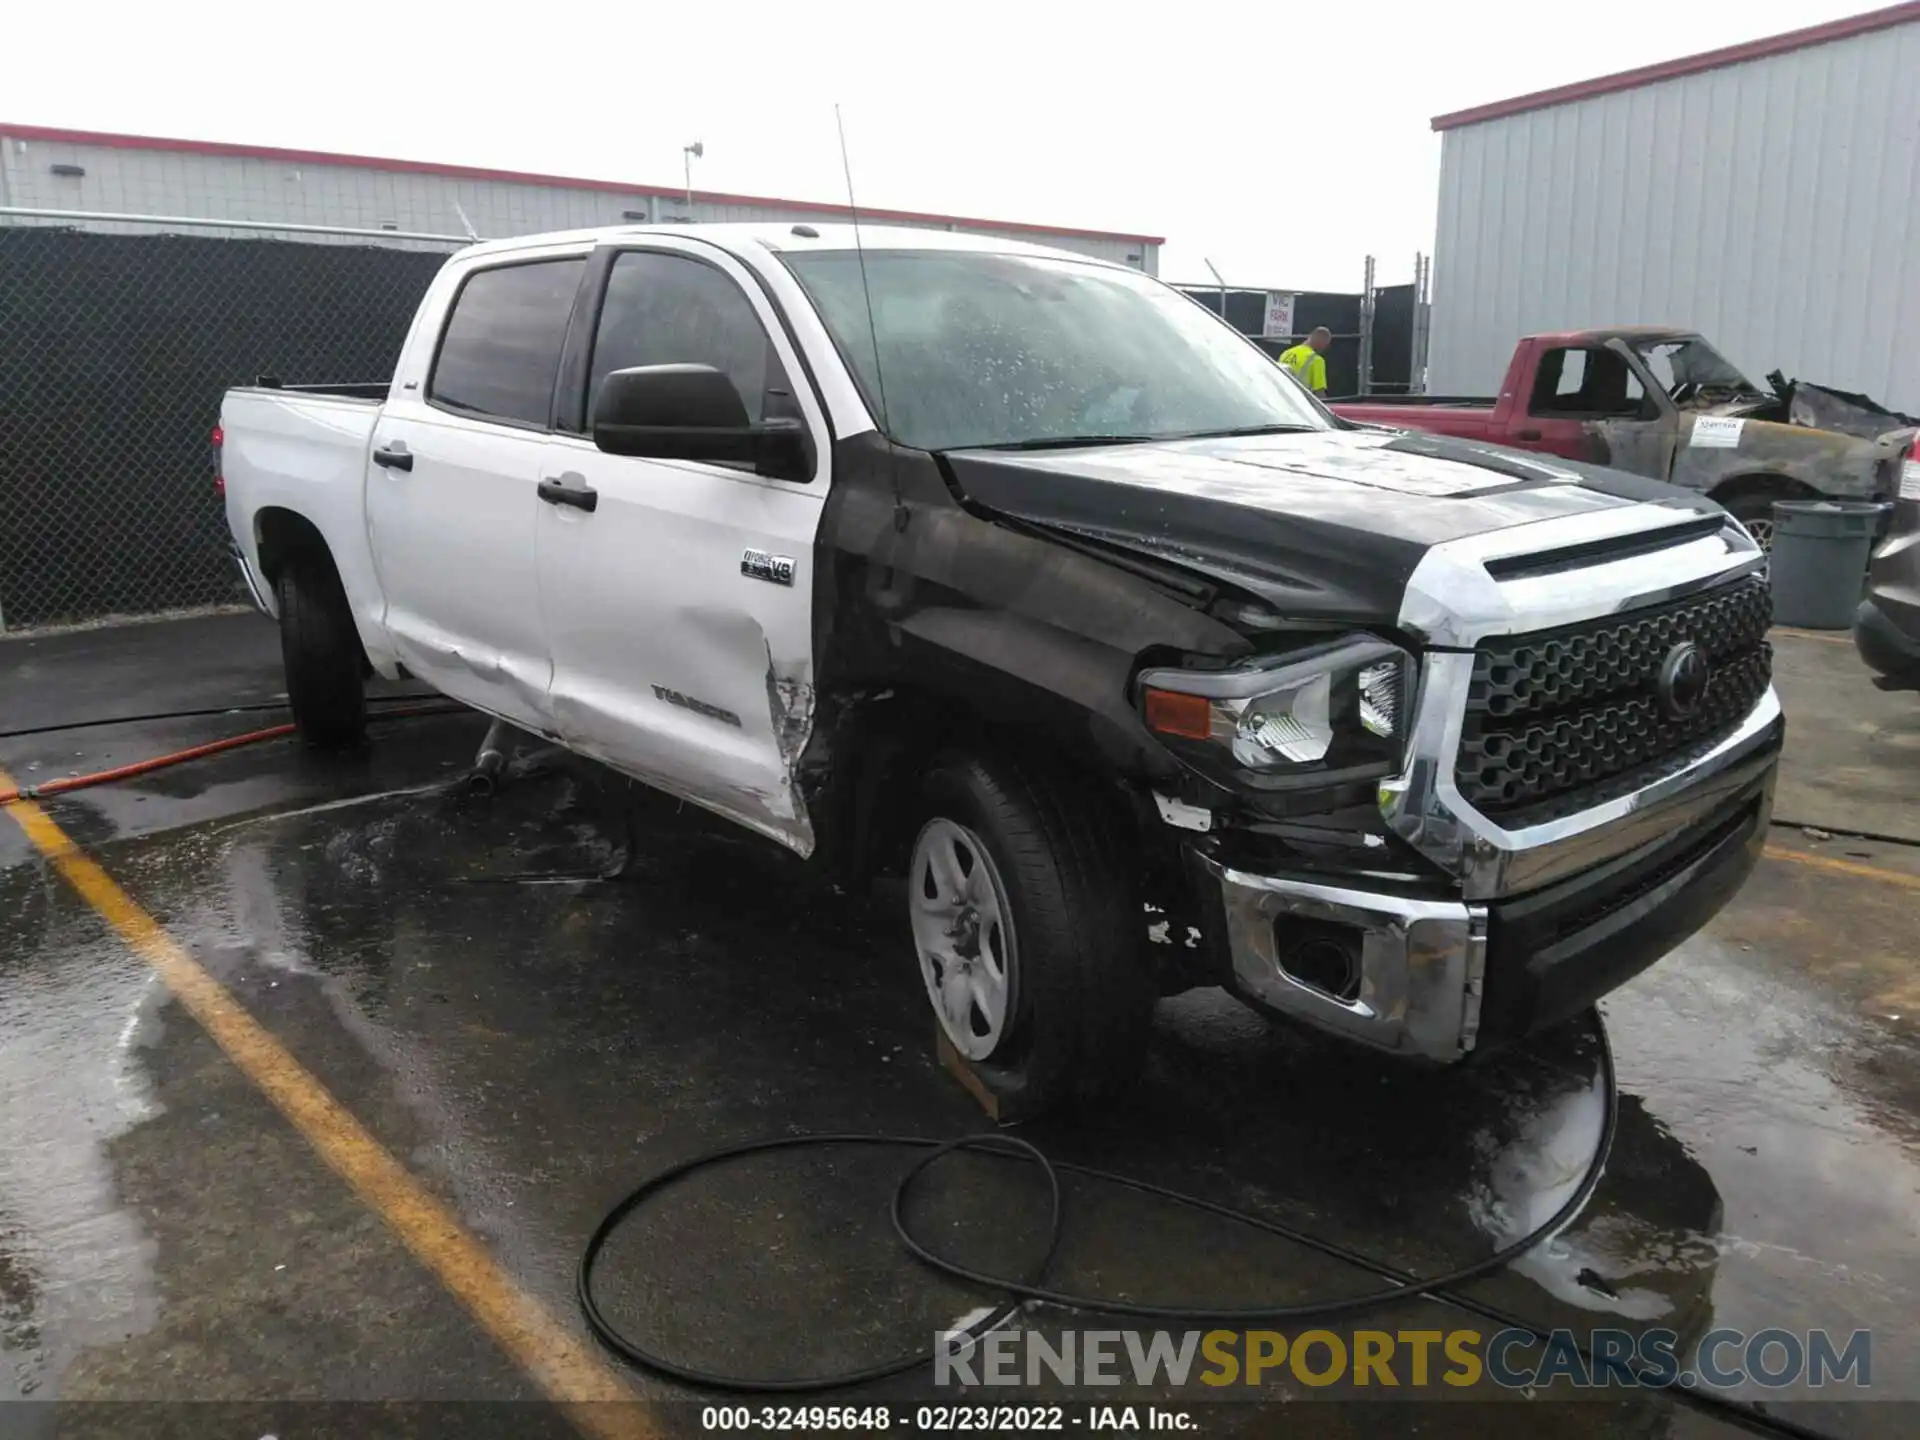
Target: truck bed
{"type": "Point", "coordinates": [303, 451]}
{"type": "Point", "coordinates": [1437, 402]}
{"type": "Point", "coordinates": [1461, 416]}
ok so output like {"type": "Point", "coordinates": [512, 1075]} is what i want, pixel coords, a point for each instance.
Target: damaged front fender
{"type": "Point", "coordinates": [790, 697]}
{"type": "Point", "coordinates": [1821, 407]}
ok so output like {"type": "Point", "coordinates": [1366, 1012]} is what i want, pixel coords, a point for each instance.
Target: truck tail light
{"type": "Point", "coordinates": [219, 480]}
{"type": "Point", "coordinates": [1910, 472]}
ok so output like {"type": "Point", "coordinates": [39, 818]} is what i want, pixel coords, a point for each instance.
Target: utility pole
{"type": "Point", "coordinates": [689, 154]}
{"type": "Point", "coordinates": [1367, 299]}
{"type": "Point", "coordinates": [1223, 287]}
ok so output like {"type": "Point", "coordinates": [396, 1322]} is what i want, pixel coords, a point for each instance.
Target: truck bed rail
{"type": "Point", "coordinates": [346, 390]}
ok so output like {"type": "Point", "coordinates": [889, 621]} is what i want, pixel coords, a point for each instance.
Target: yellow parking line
{"type": "Point", "coordinates": [1844, 867]}
{"type": "Point", "coordinates": [567, 1369]}
{"type": "Point", "coordinates": [1832, 637]}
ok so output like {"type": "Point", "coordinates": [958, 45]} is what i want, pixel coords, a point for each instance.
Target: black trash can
{"type": "Point", "coordinates": [1819, 560]}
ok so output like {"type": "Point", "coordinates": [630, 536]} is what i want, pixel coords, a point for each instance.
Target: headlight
{"type": "Point", "coordinates": [1337, 704]}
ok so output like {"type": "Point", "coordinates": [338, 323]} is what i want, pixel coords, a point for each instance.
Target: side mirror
{"type": "Point", "coordinates": [693, 412]}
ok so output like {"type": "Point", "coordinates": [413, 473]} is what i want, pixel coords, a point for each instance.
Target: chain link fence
{"type": "Point", "coordinates": [114, 351]}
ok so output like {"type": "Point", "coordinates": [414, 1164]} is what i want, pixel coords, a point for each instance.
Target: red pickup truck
{"type": "Point", "coordinates": [1662, 402]}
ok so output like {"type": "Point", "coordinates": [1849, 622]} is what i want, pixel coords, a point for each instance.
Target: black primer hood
{"type": "Point", "coordinates": [1323, 524]}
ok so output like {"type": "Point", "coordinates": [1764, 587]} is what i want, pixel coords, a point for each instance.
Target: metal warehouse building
{"type": "Point", "coordinates": [75, 170]}
{"type": "Point", "coordinates": [1767, 195]}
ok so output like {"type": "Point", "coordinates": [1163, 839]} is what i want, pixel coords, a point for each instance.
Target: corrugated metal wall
{"type": "Point", "coordinates": [222, 187]}
{"type": "Point", "coordinates": [1773, 205]}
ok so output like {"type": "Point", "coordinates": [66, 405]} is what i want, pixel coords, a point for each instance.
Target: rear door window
{"type": "Point", "coordinates": [502, 343]}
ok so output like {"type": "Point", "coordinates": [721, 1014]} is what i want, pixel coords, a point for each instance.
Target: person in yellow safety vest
{"type": "Point", "coordinates": [1305, 361]}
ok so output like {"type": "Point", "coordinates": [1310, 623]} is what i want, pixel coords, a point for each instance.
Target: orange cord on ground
{"type": "Point", "coordinates": [178, 757]}
{"type": "Point", "coordinates": [141, 767]}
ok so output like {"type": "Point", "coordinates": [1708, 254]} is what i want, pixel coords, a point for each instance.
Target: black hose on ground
{"type": "Point", "coordinates": [1020, 1289]}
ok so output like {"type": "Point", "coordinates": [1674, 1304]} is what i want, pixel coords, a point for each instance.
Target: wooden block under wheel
{"type": "Point", "coordinates": [955, 1065]}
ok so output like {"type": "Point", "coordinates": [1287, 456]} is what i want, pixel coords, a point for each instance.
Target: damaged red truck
{"type": "Point", "coordinates": [1662, 402]}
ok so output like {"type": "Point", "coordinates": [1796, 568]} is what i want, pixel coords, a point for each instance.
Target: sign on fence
{"type": "Point", "coordinates": [1278, 324]}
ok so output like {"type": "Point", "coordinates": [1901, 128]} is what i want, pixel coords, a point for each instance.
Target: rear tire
{"type": "Point", "coordinates": [320, 648]}
{"type": "Point", "coordinates": [1018, 891]}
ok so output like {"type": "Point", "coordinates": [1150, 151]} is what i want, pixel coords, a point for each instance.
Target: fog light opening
{"type": "Point", "coordinates": [1320, 955]}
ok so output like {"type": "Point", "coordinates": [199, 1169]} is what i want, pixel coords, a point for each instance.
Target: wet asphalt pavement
{"type": "Point", "coordinates": [536, 1000]}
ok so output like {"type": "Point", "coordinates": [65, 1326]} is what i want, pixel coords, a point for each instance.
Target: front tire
{"type": "Point", "coordinates": [326, 688]}
{"type": "Point", "coordinates": [1026, 923]}
{"type": "Point", "coordinates": [1753, 508]}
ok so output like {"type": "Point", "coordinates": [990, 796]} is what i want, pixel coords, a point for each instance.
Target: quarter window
{"type": "Point", "coordinates": [502, 343]}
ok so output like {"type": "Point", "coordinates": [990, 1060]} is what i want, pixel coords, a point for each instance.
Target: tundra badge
{"type": "Point", "coordinates": [698, 707]}
{"type": "Point", "coordinates": [774, 569]}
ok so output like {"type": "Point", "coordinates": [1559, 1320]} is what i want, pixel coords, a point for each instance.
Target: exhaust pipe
{"type": "Point", "coordinates": [484, 779]}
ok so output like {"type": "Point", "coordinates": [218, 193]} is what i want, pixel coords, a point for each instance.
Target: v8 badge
{"type": "Point", "coordinates": [774, 569]}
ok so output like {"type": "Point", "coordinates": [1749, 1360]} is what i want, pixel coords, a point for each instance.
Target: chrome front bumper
{"type": "Point", "coordinates": [1422, 962]}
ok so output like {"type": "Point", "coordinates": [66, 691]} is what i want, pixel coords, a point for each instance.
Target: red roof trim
{"type": "Point", "coordinates": [1842, 29]}
{"type": "Point", "coordinates": [520, 177]}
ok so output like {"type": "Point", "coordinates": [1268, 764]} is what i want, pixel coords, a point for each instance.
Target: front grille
{"type": "Point", "coordinates": [1565, 719]}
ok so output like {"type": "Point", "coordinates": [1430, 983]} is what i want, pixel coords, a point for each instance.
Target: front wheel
{"type": "Point", "coordinates": [1025, 919]}
{"type": "Point", "coordinates": [1754, 509]}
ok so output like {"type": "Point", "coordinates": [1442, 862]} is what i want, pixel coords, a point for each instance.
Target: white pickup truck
{"type": "Point", "coordinates": [1022, 577]}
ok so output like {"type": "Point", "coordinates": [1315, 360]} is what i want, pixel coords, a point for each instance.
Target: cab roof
{"type": "Point", "coordinates": [802, 237]}
{"type": "Point", "coordinates": [1604, 333]}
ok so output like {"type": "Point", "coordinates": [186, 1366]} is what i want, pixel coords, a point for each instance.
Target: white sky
{"type": "Point", "coordinates": [1282, 141]}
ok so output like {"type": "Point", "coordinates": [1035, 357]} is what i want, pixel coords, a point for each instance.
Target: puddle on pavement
{"type": "Point", "coordinates": [1803, 1114]}
{"type": "Point", "coordinates": [531, 1038]}
{"type": "Point", "coordinates": [76, 1269]}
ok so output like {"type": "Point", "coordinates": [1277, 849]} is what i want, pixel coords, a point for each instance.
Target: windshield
{"type": "Point", "coordinates": [1015, 350]}
{"type": "Point", "coordinates": [1692, 363]}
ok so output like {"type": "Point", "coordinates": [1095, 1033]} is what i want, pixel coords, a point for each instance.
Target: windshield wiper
{"type": "Point", "coordinates": [1239, 430]}
{"type": "Point", "coordinates": [1068, 442]}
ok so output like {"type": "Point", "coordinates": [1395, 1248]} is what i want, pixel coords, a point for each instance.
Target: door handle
{"type": "Point", "coordinates": [1526, 434]}
{"type": "Point", "coordinates": [581, 496]}
{"type": "Point", "coordinates": [394, 457]}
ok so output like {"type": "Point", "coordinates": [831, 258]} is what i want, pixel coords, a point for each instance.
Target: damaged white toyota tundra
{"type": "Point", "coordinates": [1020, 576]}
